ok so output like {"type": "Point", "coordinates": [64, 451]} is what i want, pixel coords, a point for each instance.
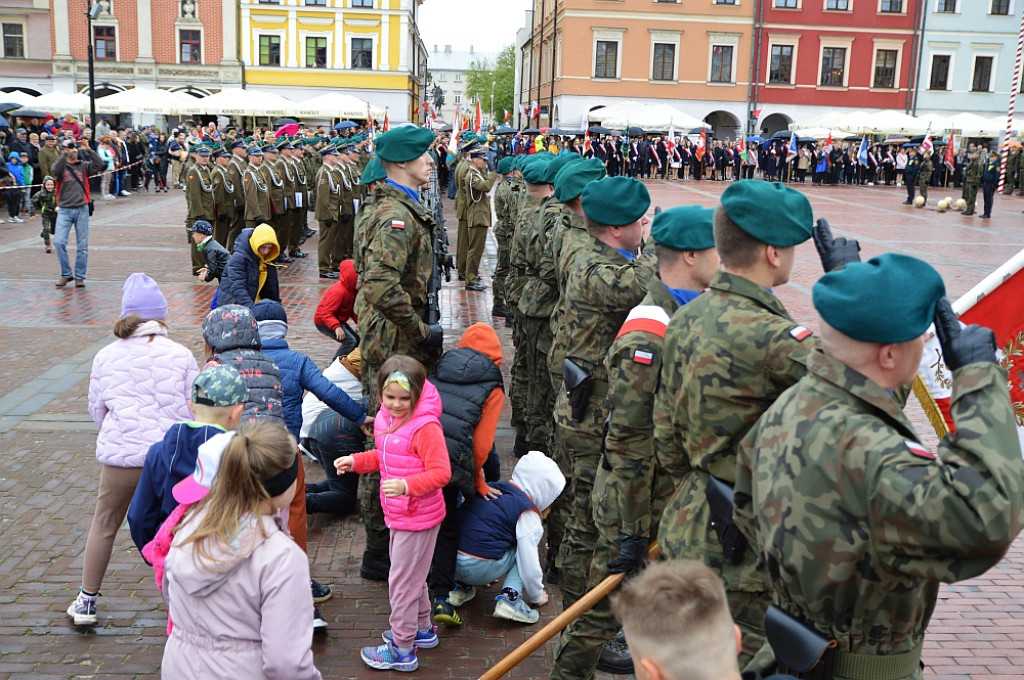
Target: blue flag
{"type": "Point", "coordinates": [862, 155]}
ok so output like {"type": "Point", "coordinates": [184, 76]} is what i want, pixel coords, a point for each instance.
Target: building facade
{"type": "Point", "coordinates": [181, 45]}
{"type": "Point", "coordinates": [816, 56]}
{"type": "Point", "coordinates": [368, 48]}
{"type": "Point", "coordinates": [25, 45]}
{"type": "Point", "coordinates": [967, 56]}
{"type": "Point", "coordinates": [447, 69]}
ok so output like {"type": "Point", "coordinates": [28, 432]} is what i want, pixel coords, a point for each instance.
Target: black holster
{"type": "Point", "coordinates": [799, 649]}
{"type": "Point", "coordinates": [578, 386]}
{"type": "Point", "coordinates": [720, 500]}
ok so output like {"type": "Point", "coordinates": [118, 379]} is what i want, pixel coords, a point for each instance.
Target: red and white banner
{"type": "Point", "coordinates": [949, 158]}
{"type": "Point", "coordinates": [702, 143]}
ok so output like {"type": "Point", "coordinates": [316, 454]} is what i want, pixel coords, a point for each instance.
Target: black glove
{"type": "Point", "coordinates": [834, 252]}
{"type": "Point", "coordinates": [258, 220]}
{"type": "Point", "coordinates": [962, 346]}
{"type": "Point", "coordinates": [435, 335]}
{"type": "Point", "coordinates": [632, 555]}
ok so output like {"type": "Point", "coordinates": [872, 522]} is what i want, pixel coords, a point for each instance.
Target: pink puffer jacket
{"type": "Point", "coordinates": [137, 390]}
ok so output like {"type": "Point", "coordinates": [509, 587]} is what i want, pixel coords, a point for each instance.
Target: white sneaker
{"type": "Point", "coordinates": [126, 193]}
{"type": "Point", "coordinates": [83, 610]}
{"type": "Point", "coordinates": [17, 219]}
{"type": "Point", "coordinates": [514, 611]}
{"type": "Point", "coordinates": [1, 221]}
{"type": "Point", "coordinates": [461, 595]}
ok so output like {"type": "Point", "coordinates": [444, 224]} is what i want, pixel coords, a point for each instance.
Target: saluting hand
{"type": "Point", "coordinates": [834, 252]}
{"type": "Point", "coordinates": [962, 345]}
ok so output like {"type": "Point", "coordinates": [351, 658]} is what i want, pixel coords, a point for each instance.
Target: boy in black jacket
{"type": "Point", "coordinates": [215, 254]}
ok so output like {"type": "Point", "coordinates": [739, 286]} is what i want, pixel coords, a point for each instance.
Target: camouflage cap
{"type": "Point", "coordinates": [615, 201]}
{"type": "Point", "coordinates": [771, 212]}
{"type": "Point", "coordinates": [686, 227]}
{"type": "Point", "coordinates": [373, 172]}
{"type": "Point", "coordinates": [221, 386]}
{"type": "Point", "coordinates": [573, 178]}
{"type": "Point", "coordinates": [404, 144]}
{"type": "Point", "coordinates": [859, 301]}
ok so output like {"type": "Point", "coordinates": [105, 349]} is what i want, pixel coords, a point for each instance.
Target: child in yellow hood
{"type": "Point", "coordinates": [250, 275]}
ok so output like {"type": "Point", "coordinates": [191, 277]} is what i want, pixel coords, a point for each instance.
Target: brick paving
{"type": "Point", "coordinates": [48, 475]}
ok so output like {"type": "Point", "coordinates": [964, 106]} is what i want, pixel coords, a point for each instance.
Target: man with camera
{"type": "Point", "coordinates": [72, 170]}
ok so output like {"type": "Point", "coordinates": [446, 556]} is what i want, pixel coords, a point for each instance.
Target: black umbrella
{"type": "Point", "coordinates": [30, 113]}
{"type": "Point", "coordinates": [445, 128]}
{"type": "Point", "coordinates": [782, 134]}
{"type": "Point", "coordinates": [851, 138]}
{"type": "Point", "coordinates": [556, 131]}
{"type": "Point", "coordinates": [9, 106]}
{"type": "Point", "coordinates": [697, 130]}
{"type": "Point", "coordinates": [531, 131]}
{"type": "Point", "coordinates": [635, 131]}
{"type": "Point", "coordinates": [599, 130]}
{"type": "Point", "coordinates": [285, 121]}
{"type": "Point", "coordinates": [502, 130]}
{"type": "Point", "coordinates": [803, 140]}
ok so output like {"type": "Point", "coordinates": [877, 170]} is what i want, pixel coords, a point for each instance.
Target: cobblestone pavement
{"type": "Point", "coordinates": [48, 472]}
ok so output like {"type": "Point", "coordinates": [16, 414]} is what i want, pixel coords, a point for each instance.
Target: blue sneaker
{"type": "Point", "coordinates": [461, 595]}
{"type": "Point", "coordinates": [386, 657]}
{"type": "Point", "coordinates": [514, 610]}
{"type": "Point", "coordinates": [425, 639]}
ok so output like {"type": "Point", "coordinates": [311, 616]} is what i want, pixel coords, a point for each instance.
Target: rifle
{"type": "Point", "coordinates": [441, 260]}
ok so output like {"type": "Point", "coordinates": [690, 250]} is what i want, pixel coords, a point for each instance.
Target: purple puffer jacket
{"type": "Point", "coordinates": [138, 389]}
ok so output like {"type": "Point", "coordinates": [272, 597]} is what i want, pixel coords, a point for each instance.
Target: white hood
{"type": "Point", "coordinates": [540, 478]}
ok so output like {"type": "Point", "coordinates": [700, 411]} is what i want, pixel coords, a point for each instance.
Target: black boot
{"type": "Point", "coordinates": [376, 564]}
{"type": "Point", "coordinates": [521, 447]}
{"type": "Point", "coordinates": [615, 657]}
{"type": "Point", "coordinates": [499, 310]}
{"type": "Point", "coordinates": [550, 570]}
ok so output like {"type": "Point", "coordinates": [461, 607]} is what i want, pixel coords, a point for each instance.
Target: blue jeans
{"type": "Point", "coordinates": [476, 571]}
{"type": "Point", "coordinates": [65, 218]}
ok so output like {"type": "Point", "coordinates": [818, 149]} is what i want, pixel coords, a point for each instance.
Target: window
{"type": "Point", "coordinates": [458, 77]}
{"type": "Point", "coordinates": [14, 41]}
{"type": "Point", "coordinates": [721, 63]}
{"type": "Point", "coordinates": [885, 68]}
{"type": "Point", "coordinates": [982, 74]}
{"type": "Point", "coordinates": [892, 6]}
{"type": "Point", "coordinates": [105, 42]}
{"type": "Point", "coordinates": [940, 72]}
{"type": "Point", "coordinates": [725, 2]}
{"type": "Point", "coordinates": [1000, 7]}
{"type": "Point", "coordinates": [840, 5]}
{"type": "Point", "coordinates": [607, 59]}
{"type": "Point", "coordinates": [190, 47]}
{"type": "Point", "coordinates": [316, 52]}
{"type": "Point", "coordinates": [362, 3]}
{"type": "Point", "coordinates": [664, 62]}
{"type": "Point", "coordinates": [458, 98]}
{"type": "Point", "coordinates": [781, 68]}
{"type": "Point", "coordinates": [786, 4]}
{"type": "Point", "coordinates": [946, 6]}
{"type": "Point", "coordinates": [270, 50]}
{"type": "Point", "coordinates": [362, 53]}
{"type": "Point", "coordinates": [321, 3]}
{"type": "Point", "coordinates": [833, 66]}
{"type": "Point", "coordinates": [441, 77]}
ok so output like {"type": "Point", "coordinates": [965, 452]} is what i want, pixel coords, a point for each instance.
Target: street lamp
{"type": "Point", "coordinates": [92, 15]}
{"type": "Point", "coordinates": [493, 82]}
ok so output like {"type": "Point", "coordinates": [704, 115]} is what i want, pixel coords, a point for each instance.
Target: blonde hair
{"type": "Point", "coordinates": [412, 369]}
{"type": "Point", "coordinates": [259, 450]}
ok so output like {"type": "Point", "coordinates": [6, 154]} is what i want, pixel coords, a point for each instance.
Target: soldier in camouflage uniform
{"type": "Point", "coordinates": [924, 175]}
{"type": "Point", "coordinates": [727, 356]}
{"type": "Point", "coordinates": [861, 525]}
{"type": "Point", "coordinates": [1012, 169]}
{"type": "Point", "coordinates": [199, 199]}
{"type": "Point", "coordinates": [975, 171]}
{"type": "Point", "coordinates": [506, 204]}
{"type": "Point", "coordinates": [628, 476]}
{"type": "Point", "coordinates": [397, 266]}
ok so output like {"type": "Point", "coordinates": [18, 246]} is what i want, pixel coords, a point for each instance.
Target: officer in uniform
{"type": "Point", "coordinates": [727, 356]}
{"type": "Point", "coordinates": [910, 174]}
{"type": "Point", "coordinates": [506, 204]}
{"type": "Point", "coordinates": [345, 169]}
{"type": "Point", "coordinates": [223, 194]}
{"type": "Point", "coordinates": [199, 199]}
{"type": "Point", "coordinates": [289, 241]}
{"type": "Point", "coordinates": [274, 179]}
{"type": "Point", "coordinates": [862, 522]}
{"type": "Point", "coordinates": [628, 477]}
{"type": "Point", "coordinates": [477, 182]}
{"type": "Point", "coordinates": [257, 193]}
{"type": "Point", "coordinates": [975, 171]}
{"type": "Point", "coordinates": [236, 171]}
{"type": "Point", "coordinates": [397, 267]}
{"type": "Point", "coordinates": [468, 142]}
{"type": "Point", "coordinates": [328, 203]}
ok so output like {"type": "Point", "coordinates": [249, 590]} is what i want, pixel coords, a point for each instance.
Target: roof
{"type": "Point", "coordinates": [456, 60]}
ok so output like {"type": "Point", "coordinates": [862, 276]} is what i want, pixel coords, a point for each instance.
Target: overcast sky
{"type": "Point", "coordinates": [486, 26]}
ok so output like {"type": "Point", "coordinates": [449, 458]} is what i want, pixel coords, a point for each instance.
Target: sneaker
{"type": "Point", "coordinates": [425, 639]}
{"type": "Point", "coordinates": [445, 614]}
{"type": "Point", "coordinates": [319, 624]}
{"type": "Point", "coordinates": [320, 593]}
{"type": "Point", "coordinates": [386, 657]}
{"type": "Point", "coordinates": [83, 610]}
{"type": "Point", "coordinates": [126, 193]}
{"type": "Point", "coordinates": [514, 611]}
{"type": "Point", "coordinates": [1, 221]}
{"type": "Point", "coordinates": [461, 595]}
{"type": "Point", "coordinates": [17, 219]}
{"type": "Point", "coordinates": [48, 249]}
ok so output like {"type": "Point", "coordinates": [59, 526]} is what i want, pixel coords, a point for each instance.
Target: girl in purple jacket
{"type": "Point", "coordinates": [412, 457]}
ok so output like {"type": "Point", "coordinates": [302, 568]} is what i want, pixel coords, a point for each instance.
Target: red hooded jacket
{"type": "Point", "coordinates": [335, 306]}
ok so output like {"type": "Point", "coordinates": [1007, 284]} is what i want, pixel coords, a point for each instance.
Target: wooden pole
{"type": "Point", "coordinates": [537, 640]}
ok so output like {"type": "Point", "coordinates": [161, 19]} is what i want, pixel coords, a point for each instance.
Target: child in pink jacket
{"type": "Point", "coordinates": [412, 458]}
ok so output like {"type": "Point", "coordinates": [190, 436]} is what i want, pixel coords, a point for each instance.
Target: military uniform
{"type": "Point", "coordinates": [344, 236]}
{"type": "Point", "coordinates": [1012, 169]}
{"type": "Point", "coordinates": [274, 180]}
{"type": "Point", "coordinates": [200, 203]}
{"type": "Point", "coordinates": [328, 204]}
{"type": "Point", "coordinates": [566, 237]}
{"type": "Point", "coordinates": [924, 176]}
{"type": "Point", "coordinates": [236, 174]}
{"type": "Point", "coordinates": [507, 197]}
{"type": "Point", "coordinates": [478, 219]}
{"type": "Point", "coordinates": [224, 198]}
{"type": "Point", "coordinates": [257, 197]}
{"type": "Point", "coordinates": [728, 355]}
{"type": "Point", "coordinates": [975, 171]}
{"type": "Point", "coordinates": [462, 233]}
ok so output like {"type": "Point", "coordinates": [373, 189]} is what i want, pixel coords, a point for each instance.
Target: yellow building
{"type": "Point", "coordinates": [304, 48]}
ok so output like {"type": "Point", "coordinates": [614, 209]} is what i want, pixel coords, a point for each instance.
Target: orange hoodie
{"type": "Point", "coordinates": [482, 338]}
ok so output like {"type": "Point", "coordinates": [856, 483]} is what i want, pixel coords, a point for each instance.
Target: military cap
{"type": "Point", "coordinates": [572, 178]}
{"type": "Point", "coordinates": [771, 212]}
{"type": "Point", "coordinates": [329, 151]}
{"type": "Point", "coordinates": [194, 148]}
{"type": "Point", "coordinates": [373, 172]}
{"type": "Point", "coordinates": [615, 201]}
{"type": "Point", "coordinates": [505, 165]}
{"type": "Point", "coordinates": [254, 151]}
{"type": "Point", "coordinates": [686, 227]}
{"type": "Point", "coordinates": [404, 144]}
{"type": "Point", "coordinates": [237, 143]}
{"type": "Point", "coordinates": [283, 144]}
{"type": "Point", "coordinates": [203, 150]}
{"type": "Point", "coordinates": [478, 152]}
{"type": "Point", "coordinates": [889, 298]}
{"type": "Point", "coordinates": [269, 148]}
{"type": "Point", "coordinates": [221, 153]}
{"type": "Point", "coordinates": [535, 171]}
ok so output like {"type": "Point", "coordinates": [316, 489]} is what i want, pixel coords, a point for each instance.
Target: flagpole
{"type": "Point", "coordinates": [1013, 102]}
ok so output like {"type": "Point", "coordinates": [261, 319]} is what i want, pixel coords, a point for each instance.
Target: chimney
{"type": "Point", "coordinates": [471, 49]}
{"type": "Point", "coordinates": [435, 49]}
{"type": "Point", "coordinates": [447, 49]}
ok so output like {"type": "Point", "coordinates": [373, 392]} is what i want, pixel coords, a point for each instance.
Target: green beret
{"type": "Point", "coordinates": [373, 172]}
{"type": "Point", "coordinates": [687, 227]}
{"type": "Point", "coordinates": [571, 179]}
{"type": "Point", "coordinates": [771, 212]}
{"type": "Point", "coordinates": [505, 165]}
{"type": "Point", "coordinates": [559, 162]}
{"type": "Point", "coordinates": [248, 140]}
{"type": "Point", "coordinates": [615, 201]}
{"type": "Point", "coordinates": [543, 154]}
{"type": "Point", "coordinates": [404, 144]}
{"type": "Point", "coordinates": [889, 298]}
{"type": "Point", "coordinates": [535, 171]}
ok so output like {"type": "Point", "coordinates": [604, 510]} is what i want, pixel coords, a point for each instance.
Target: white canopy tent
{"type": "Point", "coordinates": [144, 100]}
{"type": "Point", "coordinates": [821, 133]}
{"type": "Point", "coordinates": [18, 97]}
{"type": "Point", "coordinates": [336, 105]}
{"type": "Point", "coordinates": [61, 102]}
{"type": "Point", "coordinates": [644, 115]}
{"type": "Point", "coordinates": [238, 102]}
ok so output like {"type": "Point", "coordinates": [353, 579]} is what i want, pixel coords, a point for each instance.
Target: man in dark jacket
{"type": "Point", "coordinates": [989, 181]}
{"type": "Point", "coordinates": [249, 275]}
{"type": "Point", "coordinates": [72, 172]}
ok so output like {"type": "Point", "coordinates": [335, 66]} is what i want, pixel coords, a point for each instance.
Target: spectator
{"type": "Point", "coordinates": [72, 171]}
{"type": "Point", "coordinates": [335, 309]}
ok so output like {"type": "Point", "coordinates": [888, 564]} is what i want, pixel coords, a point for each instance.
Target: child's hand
{"type": "Point", "coordinates": [202, 273]}
{"type": "Point", "coordinates": [393, 487]}
{"type": "Point", "coordinates": [492, 493]}
{"type": "Point", "coordinates": [543, 599]}
{"type": "Point", "coordinates": [344, 464]}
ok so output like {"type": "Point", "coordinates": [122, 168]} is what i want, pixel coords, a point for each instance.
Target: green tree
{"type": "Point", "coordinates": [502, 74]}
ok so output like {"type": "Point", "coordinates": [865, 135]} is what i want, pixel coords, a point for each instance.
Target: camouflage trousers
{"type": "Point", "coordinates": [971, 195]}
{"type": "Point", "coordinates": [583, 450]}
{"type": "Point", "coordinates": [518, 386]}
{"type": "Point", "coordinates": [501, 268]}
{"type": "Point", "coordinates": [748, 611]}
{"type": "Point", "coordinates": [377, 534]}
{"type": "Point", "coordinates": [540, 397]}
{"type": "Point", "coordinates": [922, 187]}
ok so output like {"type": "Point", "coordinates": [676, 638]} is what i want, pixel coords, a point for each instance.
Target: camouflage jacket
{"type": "Point", "coordinates": [862, 523]}
{"type": "Point", "coordinates": [623, 487]}
{"type": "Point", "coordinates": [728, 355]}
{"type": "Point", "coordinates": [540, 290]}
{"type": "Point", "coordinates": [975, 169]}
{"type": "Point", "coordinates": [396, 267]}
{"type": "Point", "coordinates": [519, 265]}
{"type": "Point", "coordinates": [507, 198]}
{"type": "Point", "coordinates": [567, 237]}
{"type": "Point", "coordinates": [603, 287]}
{"type": "Point", "coordinates": [924, 175]}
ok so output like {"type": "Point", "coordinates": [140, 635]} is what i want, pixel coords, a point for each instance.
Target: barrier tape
{"type": "Point", "coordinates": [123, 167]}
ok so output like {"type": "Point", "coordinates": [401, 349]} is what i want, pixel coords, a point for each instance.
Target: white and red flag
{"type": "Point", "coordinates": [702, 143]}
{"type": "Point", "coordinates": [477, 119]}
{"type": "Point", "coordinates": [949, 158]}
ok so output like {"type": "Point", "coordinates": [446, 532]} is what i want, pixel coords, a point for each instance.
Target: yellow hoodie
{"type": "Point", "coordinates": [262, 235]}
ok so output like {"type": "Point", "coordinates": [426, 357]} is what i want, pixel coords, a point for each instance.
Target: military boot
{"type": "Point", "coordinates": [376, 564]}
{"type": "Point", "coordinates": [615, 656]}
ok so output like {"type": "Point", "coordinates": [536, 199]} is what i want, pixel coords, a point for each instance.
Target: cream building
{"type": "Point", "coordinates": [447, 69]}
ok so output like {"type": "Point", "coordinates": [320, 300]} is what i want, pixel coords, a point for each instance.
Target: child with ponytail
{"type": "Point", "coordinates": [236, 586]}
{"type": "Point", "coordinates": [412, 457]}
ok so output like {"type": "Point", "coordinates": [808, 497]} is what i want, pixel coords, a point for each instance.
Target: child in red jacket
{"type": "Point", "coordinates": [335, 309]}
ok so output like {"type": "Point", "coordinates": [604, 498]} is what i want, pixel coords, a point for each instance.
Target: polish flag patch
{"type": "Point", "coordinates": [643, 357]}
{"type": "Point", "coordinates": [801, 333]}
{"type": "Point", "coordinates": [397, 224]}
{"type": "Point", "coordinates": [919, 450]}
